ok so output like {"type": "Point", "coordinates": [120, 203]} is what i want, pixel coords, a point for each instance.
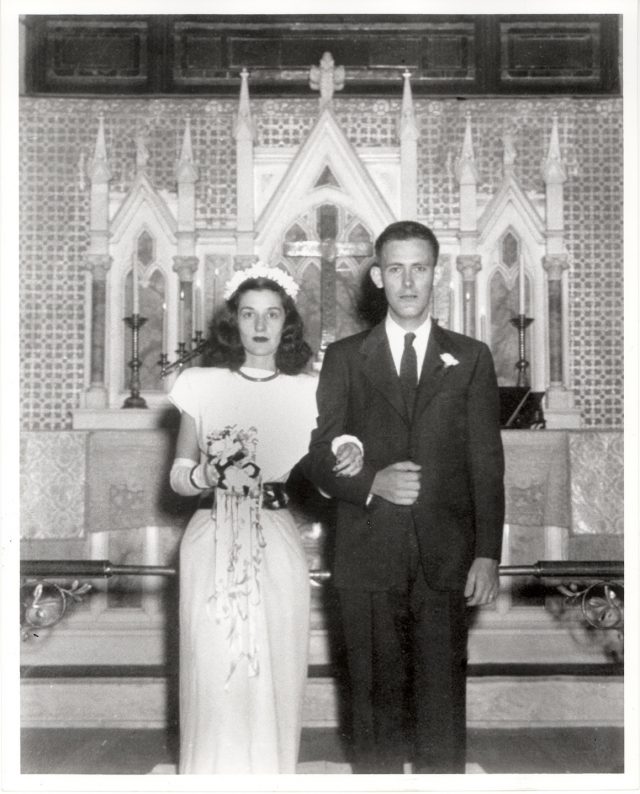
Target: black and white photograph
{"type": "Point", "coordinates": [319, 406]}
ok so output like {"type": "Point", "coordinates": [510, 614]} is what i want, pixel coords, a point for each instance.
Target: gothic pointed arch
{"type": "Point", "coordinates": [306, 184]}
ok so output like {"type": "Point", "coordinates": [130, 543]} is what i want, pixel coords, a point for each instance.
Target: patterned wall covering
{"type": "Point", "coordinates": [53, 479]}
{"type": "Point", "coordinates": [75, 484]}
{"type": "Point", "coordinates": [57, 138]}
{"type": "Point", "coordinates": [596, 462]}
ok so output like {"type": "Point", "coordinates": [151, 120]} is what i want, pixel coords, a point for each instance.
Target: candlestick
{"type": "Point", "coordinates": [521, 284]}
{"type": "Point", "coordinates": [181, 317]}
{"type": "Point", "coordinates": [483, 328]}
{"type": "Point", "coordinates": [522, 365]}
{"type": "Point", "coordinates": [134, 400]}
{"type": "Point", "coordinates": [134, 278]}
{"type": "Point", "coordinates": [183, 355]}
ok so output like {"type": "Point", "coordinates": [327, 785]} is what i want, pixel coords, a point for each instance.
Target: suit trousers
{"type": "Point", "coordinates": [406, 653]}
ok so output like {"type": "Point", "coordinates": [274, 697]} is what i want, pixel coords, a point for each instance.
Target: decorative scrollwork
{"type": "Point", "coordinates": [601, 603]}
{"type": "Point", "coordinates": [43, 604]}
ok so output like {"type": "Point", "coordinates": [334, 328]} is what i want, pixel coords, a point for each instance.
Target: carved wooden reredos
{"type": "Point", "coordinates": [315, 210]}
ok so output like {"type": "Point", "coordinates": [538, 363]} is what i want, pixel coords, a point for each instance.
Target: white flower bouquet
{"type": "Point", "coordinates": [232, 451]}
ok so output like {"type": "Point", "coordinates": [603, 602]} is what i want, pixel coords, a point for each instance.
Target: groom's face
{"type": "Point", "coordinates": [405, 271]}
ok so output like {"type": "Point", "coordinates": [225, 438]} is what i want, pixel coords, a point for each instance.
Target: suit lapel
{"type": "Point", "coordinates": [433, 370]}
{"type": "Point", "coordinates": [379, 368]}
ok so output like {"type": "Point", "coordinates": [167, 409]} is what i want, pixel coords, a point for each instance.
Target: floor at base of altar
{"type": "Point", "coordinates": [586, 750]}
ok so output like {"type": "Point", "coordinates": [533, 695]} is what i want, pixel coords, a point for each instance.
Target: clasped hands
{"type": "Point", "coordinates": [399, 483]}
{"type": "Point", "coordinates": [349, 460]}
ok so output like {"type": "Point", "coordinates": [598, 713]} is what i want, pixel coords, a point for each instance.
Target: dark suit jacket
{"type": "Point", "coordinates": [454, 435]}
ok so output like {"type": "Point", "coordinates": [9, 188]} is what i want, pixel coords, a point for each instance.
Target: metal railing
{"type": "Point", "coordinates": [44, 601]}
{"type": "Point", "coordinates": [599, 569]}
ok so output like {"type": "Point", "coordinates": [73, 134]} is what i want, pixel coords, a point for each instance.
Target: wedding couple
{"type": "Point", "coordinates": [407, 441]}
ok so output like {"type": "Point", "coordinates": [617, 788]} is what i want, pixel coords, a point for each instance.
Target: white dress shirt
{"type": "Point", "coordinates": [396, 334]}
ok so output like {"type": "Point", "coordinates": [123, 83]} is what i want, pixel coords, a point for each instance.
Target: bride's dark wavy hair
{"type": "Point", "coordinates": [225, 348]}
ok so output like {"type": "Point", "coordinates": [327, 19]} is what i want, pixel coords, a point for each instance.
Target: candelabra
{"type": "Point", "coordinates": [521, 322]}
{"type": "Point", "coordinates": [134, 400]}
{"type": "Point", "coordinates": [183, 355]}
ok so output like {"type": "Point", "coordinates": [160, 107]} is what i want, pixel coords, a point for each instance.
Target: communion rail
{"type": "Point", "coordinates": [43, 603]}
{"type": "Point", "coordinates": [599, 569]}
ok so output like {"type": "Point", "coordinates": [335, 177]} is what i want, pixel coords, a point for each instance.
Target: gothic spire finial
{"type": "Point", "coordinates": [244, 122]}
{"type": "Point", "coordinates": [466, 171]}
{"type": "Point", "coordinates": [408, 124]}
{"type": "Point", "coordinates": [186, 170]}
{"type": "Point", "coordinates": [553, 169]}
{"type": "Point", "coordinates": [98, 169]}
{"type": "Point", "coordinates": [244, 109]}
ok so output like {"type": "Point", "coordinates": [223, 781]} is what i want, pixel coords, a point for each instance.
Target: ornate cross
{"type": "Point", "coordinates": [326, 78]}
{"type": "Point", "coordinates": [328, 249]}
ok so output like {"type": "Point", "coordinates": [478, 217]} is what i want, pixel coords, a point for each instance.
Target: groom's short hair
{"type": "Point", "coordinates": [407, 230]}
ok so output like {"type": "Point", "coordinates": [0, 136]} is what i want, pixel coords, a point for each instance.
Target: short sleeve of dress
{"type": "Point", "coordinates": [183, 393]}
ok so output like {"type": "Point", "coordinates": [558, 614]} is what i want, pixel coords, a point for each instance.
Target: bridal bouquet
{"type": "Point", "coordinates": [232, 451]}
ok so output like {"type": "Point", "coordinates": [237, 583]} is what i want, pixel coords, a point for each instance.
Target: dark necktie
{"type": "Point", "coordinates": [409, 372]}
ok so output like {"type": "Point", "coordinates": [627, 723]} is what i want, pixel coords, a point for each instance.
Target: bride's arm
{"type": "Point", "coordinates": [188, 476]}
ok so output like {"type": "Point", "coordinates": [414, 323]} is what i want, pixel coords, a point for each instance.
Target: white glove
{"type": "Point", "coordinates": [188, 478]}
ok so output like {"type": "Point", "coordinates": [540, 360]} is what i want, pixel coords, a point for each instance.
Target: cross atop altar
{"type": "Point", "coordinates": [328, 249]}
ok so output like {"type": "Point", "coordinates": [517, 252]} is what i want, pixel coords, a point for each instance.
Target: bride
{"type": "Point", "coordinates": [244, 588]}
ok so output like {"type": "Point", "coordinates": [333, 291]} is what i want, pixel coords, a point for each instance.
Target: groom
{"type": "Point", "coordinates": [420, 527]}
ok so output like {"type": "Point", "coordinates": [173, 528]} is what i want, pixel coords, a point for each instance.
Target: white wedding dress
{"type": "Point", "coordinates": [244, 587]}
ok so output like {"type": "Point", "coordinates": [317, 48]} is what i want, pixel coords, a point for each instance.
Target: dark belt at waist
{"type": "Point", "coordinates": [274, 497]}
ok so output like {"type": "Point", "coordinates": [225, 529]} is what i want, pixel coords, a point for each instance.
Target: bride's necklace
{"type": "Point", "coordinates": [258, 380]}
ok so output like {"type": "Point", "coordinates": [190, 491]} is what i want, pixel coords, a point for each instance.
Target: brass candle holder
{"type": "Point", "coordinates": [521, 323]}
{"type": "Point", "coordinates": [134, 400]}
{"type": "Point", "coordinates": [183, 356]}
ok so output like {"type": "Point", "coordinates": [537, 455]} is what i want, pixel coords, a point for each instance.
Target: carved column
{"type": "Point", "coordinates": [186, 263]}
{"type": "Point", "coordinates": [185, 267]}
{"type": "Point", "coordinates": [468, 262]}
{"type": "Point", "coordinates": [98, 266]}
{"type": "Point", "coordinates": [555, 265]}
{"type": "Point", "coordinates": [560, 410]}
{"type": "Point", "coordinates": [244, 135]}
{"type": "Point", "coordinates": [408, 155]}
{"type": "Point", "coordinates": [467, 175]}
{"type": "Point", "coordinates": [469, 265]}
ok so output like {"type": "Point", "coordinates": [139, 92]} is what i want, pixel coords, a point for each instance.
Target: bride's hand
{"type": "Point", "coordinates": [349, 460]}
{"type": "Point", "coordinates": [210, 474]}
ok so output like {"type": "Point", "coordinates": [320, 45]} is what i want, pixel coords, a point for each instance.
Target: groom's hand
{"type": "Point", "coordinates": [399, 483]}
{"type": "Point", "coordinates": [483, 582]}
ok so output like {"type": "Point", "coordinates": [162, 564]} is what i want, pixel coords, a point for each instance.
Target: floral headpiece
{"type": "Point", "coordinates": [260, 270]}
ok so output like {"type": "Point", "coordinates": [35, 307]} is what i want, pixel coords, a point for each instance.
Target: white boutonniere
{"type": "Point", "coordinates": [448, 360]}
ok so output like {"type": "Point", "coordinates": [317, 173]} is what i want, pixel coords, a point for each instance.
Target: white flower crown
{"type": "Point", "coordinates": [260, 270]}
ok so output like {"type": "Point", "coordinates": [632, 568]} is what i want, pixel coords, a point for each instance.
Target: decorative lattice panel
{"type": "Point", "coordinates": [591, 138]}
{"type": "Point", "coordinates": [368, 123]}
{"type": "Point", "coordinates": [57, 139]}
{"type": "Point", "coordinates": [214, 152]}
{"type": "Point", "coordinates": [53, 239]}
{"type": "Point", "coordinates": [594, 227]}
{"type": "Point", "coordinates": [282, 123]}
